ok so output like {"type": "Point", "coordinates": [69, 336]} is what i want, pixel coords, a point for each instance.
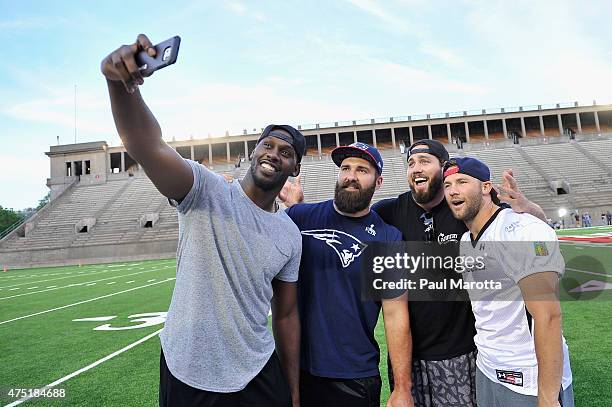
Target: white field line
{"type": "Point", "coordinates": [96, 269]}
{"type": "Point", "coordinates": [589, 272]}
{"type": "Point", "coordinates": [86, 283]}
{"type": "Point", "coordinates": [54, 279]}
{"type": "Point", "coordinates": [85, 301]}
{"type": "Point", "coordinates": [13, 276]}
{"type": "Point", "coordinates": [88, 367]}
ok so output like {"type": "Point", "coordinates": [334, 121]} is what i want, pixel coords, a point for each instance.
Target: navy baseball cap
{"type": "Point", "coordinates": [433, 147]}
{"type": "Point", "coordinates": [296, 138]}
{"type": "Point", "coordinates": [359, 150]}
{"type": "Point", "coordinates": [468, 166]}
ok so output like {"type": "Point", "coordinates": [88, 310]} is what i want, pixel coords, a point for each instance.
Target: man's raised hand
{"type": "Point", "coordinates": [292, 193]}
{"type": "Point", "coordinates": [120, 65]}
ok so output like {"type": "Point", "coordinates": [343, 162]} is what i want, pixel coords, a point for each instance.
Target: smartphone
{"type": "Point", "coordinates": [167, 51]}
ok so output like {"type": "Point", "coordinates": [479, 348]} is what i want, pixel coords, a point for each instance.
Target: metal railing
{"type": "Point", "coordinates": [16, 225]}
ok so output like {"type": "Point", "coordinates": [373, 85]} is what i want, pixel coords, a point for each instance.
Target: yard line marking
{"type": "Point", "coordinates": [51, 279]}
{"type": "Point", "coordinates": [150, 281]}
{"type": "Point", "coordinates": [52, 286]}
{"type": "Point", "coordinates": [590, 272]}
{"type": "Point", "coordinates": [32, 288]}
{"type": "Point", "coordinates": [76, 284]}
{"type": "Point", "coordinates": [85, 301]}
{"type": "Point", "coordinates": [88, 367]}
{"type": "Point", "coordinates": [90, 284]}
{"type": "Point", "coordinates": [129, 282]}
{"type": "Point", "coordinates": [13, 289]}
{"type": "Point", "coordinates": [95, 319]}
{"type": "Point", "coordinates": [112, 282]}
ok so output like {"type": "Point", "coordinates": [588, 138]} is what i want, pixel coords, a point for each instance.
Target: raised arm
{"type": "Point", "coordinates": [511, 194]}
{"type": "Point", "coordinates": [136, 125]}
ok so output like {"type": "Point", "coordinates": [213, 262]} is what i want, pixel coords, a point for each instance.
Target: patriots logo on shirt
{"type": "Point", "coordinates": [346, 246]}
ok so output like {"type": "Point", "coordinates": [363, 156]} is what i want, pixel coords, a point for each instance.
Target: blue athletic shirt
{"type": "Point", "coordinates": [337, 339]}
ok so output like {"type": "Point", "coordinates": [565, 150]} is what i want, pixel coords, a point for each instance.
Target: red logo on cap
{"type": "Point", "coordinates": [452, 170]}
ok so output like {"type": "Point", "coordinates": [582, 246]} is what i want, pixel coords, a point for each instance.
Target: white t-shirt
{"type": "Point", "coordinates": [513, 246]}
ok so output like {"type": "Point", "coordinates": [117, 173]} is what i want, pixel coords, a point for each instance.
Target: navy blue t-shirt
{"type": "Point", "coordinates": [337, 338]}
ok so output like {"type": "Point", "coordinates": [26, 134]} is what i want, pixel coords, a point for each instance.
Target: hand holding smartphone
{"type": "Point", "coordinates": [166, 54]}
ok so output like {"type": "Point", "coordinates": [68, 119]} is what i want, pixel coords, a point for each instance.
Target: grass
{"type": "Point", "coordinates": [584, 231]}
{"type": "Point", "coordinates": [40, 349]}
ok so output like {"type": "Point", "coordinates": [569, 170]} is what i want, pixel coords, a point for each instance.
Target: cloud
{"type": "Point", "coordinates": [25, 24]}
{"type": "Point", "coordinates": [24, 175]}
{"type": "Point", "coordinates": [398, 76]}
{"type": "Point", "coordinates": [443, 54]}
{"type": "Point", "coordinates": [543, 48]}
{"type": "Point", "coordinates": [237, 8]}
{"type": "Point", "coordinates": [411, 27]}
{"type": "Point", "coordinates": [243, 10]}
{"type": "Point", "coordinates": [375, 10]}
{"type": "Point", "coordinates": [59, 111]}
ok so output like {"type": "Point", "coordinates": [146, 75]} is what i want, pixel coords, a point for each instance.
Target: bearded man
{"type": "Point", "coordinates": [444, 353]}
{"type": "Point", "coordinates": [339, 353]}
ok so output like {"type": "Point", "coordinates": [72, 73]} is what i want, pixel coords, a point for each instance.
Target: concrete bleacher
{"type": "Point", "coordinates": [57, 228]}
{"type": "Point", "coordinates": [118, 206]}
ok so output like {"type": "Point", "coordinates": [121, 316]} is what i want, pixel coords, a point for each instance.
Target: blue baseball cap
{"type": "Point", "coordinates": [359, 150]}
{"type": "Point", "coordinates": [468, 166]}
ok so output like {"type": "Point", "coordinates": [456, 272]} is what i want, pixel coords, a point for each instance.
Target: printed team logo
{"type": "Point", "coordinates": [513, 226]}
{"type": "Point", "coordinates": [540, 249]}
{"type": "Point", "coordinates": [443, 239]}
{"type": "Point", "coordinates": [510, 377]}
{"type": "Point", "coordinates": [370, 230]}
{"type": "Point", "coordinates": [346, 246]}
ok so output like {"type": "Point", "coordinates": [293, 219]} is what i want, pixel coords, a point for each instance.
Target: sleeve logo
{"type": "Point", "coordinates": [540, 249]}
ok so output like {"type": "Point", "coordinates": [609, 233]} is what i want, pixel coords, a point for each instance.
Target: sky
{"type": "Point", "coordinates": [243, 65]}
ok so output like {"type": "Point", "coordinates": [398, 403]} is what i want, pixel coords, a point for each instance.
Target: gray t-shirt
{"type": "Point", "coordinates": [216, 336]}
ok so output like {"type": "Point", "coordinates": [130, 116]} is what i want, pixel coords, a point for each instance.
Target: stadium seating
{"type": "Point", "coordinates": [120, 205]}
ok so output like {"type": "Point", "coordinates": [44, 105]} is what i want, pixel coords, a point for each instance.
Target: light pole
{"type": "Point", "coordinates": [562, 213]}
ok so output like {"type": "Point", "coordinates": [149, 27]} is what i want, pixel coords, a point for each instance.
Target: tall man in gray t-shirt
{"type": "Point", "coordinates": [238, 255]}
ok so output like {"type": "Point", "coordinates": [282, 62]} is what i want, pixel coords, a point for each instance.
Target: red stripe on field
{"type": "Point", "coordinates": [604, 239]}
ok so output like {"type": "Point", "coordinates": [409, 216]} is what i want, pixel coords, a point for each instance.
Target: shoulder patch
{"type": "Point", "coordinates": [540, 248]}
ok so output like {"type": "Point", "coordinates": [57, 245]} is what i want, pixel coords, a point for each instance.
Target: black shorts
{"type": "Point", "coordinates": [318, 391]}
{"type": "Point", "coordinates": [268, 389]}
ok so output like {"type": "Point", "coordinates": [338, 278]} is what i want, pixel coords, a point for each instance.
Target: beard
{"type": "Point", "coordinates": [471, 208]}
{"type": "Point", "coordinates": [353, 201]}
{"type": "Point", "coordinates": [434, 188]}
{"type": "Point", "coordinates": [266, 184]}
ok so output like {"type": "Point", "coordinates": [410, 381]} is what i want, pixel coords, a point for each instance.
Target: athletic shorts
{"type": "Point", "coordinates": [489, 393]}
{"type": "Point", "coordinates": [443, 383]}
{"type": "Point", "coordinates": [268, 389]}
{"type": "Point", "coordinates": [318, 391]}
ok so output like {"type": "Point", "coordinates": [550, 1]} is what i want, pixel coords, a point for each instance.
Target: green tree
{"type": "Point", "coordinates": [44, 201]}
{"type": "Point", "coordinates": [7, 218]}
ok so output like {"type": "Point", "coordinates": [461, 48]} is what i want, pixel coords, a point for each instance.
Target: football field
{"type": "Point", "coordinates": [90, 332]}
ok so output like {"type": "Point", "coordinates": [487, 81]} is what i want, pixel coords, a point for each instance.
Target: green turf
{"type": "Point", "coordinates": [584, 231]}
{"type": "Point", "coordinates": [43, 348]}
